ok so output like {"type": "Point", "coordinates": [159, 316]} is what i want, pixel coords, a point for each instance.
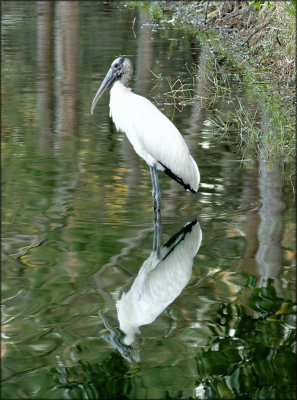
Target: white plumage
{"type": "Point", "coordinates": [159, 281]}
{"type": "Point", "coordinates": [153, 136]}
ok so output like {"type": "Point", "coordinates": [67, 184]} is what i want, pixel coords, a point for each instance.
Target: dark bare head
{"type": "Point", "coordinates": [124, 70]}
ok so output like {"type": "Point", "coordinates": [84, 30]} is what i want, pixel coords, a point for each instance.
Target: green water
{"type": "Point", "coordinates": [77, 223]}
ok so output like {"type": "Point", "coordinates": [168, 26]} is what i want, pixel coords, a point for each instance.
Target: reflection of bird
{"type": "Point", "coordinates": [115, 337]}
{"type": "Point", "coordinates": [159, 281]}
{"type": "Point", "coordinates": [153, 136]}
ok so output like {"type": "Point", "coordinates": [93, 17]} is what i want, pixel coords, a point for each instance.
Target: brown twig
{"type": "Point", "coordinates": [230, 15]}
{"type": "Point", "coordinates": [206, 9]}
{"type": "Point", "coordinates": [253, 33]}
{"type": "Point", "coordinates": [277, 38]}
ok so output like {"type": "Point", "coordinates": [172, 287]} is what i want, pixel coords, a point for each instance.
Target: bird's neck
{"type": "Point", "coordinates": [119, 89]}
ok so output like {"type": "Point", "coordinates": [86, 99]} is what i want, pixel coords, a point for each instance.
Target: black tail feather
{"type": "Point", "coordinates": [177, 179]}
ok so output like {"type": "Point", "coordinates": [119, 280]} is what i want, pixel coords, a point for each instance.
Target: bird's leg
{"type": "Point", "coordinates": [156, 188]}
{"type": "Point", "coordinates": [157, 231]}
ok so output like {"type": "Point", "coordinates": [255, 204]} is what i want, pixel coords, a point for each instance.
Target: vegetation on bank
{"type": "Point", "coordinates": [259, 38]}
{"type": "Point", "coordinates": [263, 29]}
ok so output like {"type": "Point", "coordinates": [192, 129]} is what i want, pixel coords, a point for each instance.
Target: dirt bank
{"type": "Point", "coordinates": [262, 30]}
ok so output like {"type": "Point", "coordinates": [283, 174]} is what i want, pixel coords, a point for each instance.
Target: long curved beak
{"type": "Point", "coordinates": [107, 82]}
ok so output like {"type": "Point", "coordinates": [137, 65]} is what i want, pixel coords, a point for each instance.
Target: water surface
{"type": "Point", "coordinates": [78, 223]}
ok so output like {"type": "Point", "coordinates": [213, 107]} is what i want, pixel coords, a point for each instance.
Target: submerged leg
{"type": "Point", "coordinates": [156, 188]}
{"type": "Point", "coordinates": [157, 231]}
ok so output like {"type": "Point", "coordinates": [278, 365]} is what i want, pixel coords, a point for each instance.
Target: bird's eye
{"type": "Point", "coordinates": [116, 65]}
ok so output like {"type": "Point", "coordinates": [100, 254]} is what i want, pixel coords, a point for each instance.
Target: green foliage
{"type": "Point", "coordinates": [256, 4]}
{"type": "Point", "coordinates": [290, 7]}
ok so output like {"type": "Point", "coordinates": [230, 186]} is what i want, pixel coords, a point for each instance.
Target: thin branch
{"type": "Point", "coordinates": [253, 33]}
{"type": "Point", "coordinates": [206, 9]}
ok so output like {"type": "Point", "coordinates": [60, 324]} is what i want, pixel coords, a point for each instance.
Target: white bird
{"type": "Point", "coordinates": [153, 136]}
{"type": "Point", "coordinates": [159, 281]}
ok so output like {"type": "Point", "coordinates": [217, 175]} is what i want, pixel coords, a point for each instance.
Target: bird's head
{"type": "Point", "coordinates": [121, 69]}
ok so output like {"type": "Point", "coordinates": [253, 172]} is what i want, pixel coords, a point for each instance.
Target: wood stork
{"type": "Point", "coordinates": [153, 136]}
{"type": "Point", "coordinates": [159, 281]}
